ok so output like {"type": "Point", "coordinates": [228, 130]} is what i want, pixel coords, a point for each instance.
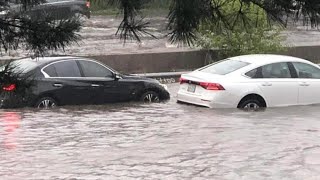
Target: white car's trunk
{"type": "Point", "coordinates": [199, 76]}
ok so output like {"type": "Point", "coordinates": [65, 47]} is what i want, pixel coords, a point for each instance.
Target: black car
{"type": "Point", "coordinates": [58, 81]}
{"type": "Point", "coordinates": [57, 9]}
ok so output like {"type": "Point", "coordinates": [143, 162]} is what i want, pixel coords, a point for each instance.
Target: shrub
{"type": "Point", "coordinates": [247, 33]}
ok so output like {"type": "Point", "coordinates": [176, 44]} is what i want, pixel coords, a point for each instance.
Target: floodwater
{"type": "Point", "coordinates": [98, 38]}
{"type": "Point", "coordinates": [160, 141]}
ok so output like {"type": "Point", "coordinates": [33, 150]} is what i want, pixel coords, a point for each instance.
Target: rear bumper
{"type": "Point", "coordinates": [1, 103]}
{"type": "Point", "coordinates": [4, 98]}
{"type": "Point", "coordinates": [218, 101]}
{"type": "Point", "coordinates": [9, 100]}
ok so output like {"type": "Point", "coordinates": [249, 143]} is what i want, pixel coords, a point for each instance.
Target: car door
{"type": "Point", "coordinates": [309, 83]}
{"type": "Point", "coordinates": [63, 81]}
{"type": "Point", "coordinates": [276, 84]}
{"type": "Point", "coordinates": [55, 8]}
{"type": "Point", "coordinates": [106, 87]}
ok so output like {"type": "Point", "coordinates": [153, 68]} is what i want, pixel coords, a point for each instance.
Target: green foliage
{"type": "Point", "coordinates": [256, 41]}
{"type": "Point", "coordinates": [36, 34]}
{"type": "Point", "coordinates": [184, 19]}
{"type": "Point", "coordinates": [159, 4]}
{"type": "Point", "coordinates": [23, 82]}
{"type": "Point", "coordinates": [249, 32]}
{"type": "Point", "coordinates": [186, 16]}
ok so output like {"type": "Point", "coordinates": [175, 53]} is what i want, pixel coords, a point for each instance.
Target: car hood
{"type": "Point", "coordinates": [139, 78]}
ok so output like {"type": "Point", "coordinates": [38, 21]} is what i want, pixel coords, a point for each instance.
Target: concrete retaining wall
{"type": "Point", "coordinates": [154, 62]}
{"type": "Point", "coordinates": [311, 53]}
{"type": "Point", "coordinates": [185, 60]}
{"type": "Point", "coordinates": [182, 61]}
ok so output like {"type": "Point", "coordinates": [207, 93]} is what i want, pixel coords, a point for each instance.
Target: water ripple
{"type": "Point", "coordinates": [159, 141]}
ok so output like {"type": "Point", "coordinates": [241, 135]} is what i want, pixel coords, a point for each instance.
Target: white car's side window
{"type": "Point", "coordinates": [306, 70]}
{"type": "Point", "coordinates": [275, 70]}
{"type": "Point", "coordinates": [254, 73]}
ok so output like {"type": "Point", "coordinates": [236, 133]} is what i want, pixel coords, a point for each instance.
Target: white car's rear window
{"type": "Point", "coordinates": [224, 67]}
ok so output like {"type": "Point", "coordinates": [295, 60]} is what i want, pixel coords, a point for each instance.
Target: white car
{"type": "Point", "coordinates": [252, 81]}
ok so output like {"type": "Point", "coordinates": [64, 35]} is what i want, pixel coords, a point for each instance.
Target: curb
{"type": "Point", "coordinates": [164, 77]}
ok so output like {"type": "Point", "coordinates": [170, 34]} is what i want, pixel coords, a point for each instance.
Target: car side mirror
{"type": "Point", "coordinates": [117, 76]}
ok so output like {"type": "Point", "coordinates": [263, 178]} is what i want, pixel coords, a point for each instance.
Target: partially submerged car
{"type": "Point", "coordinates": [57, 9]}
{"type": "Point", "coordinates": [251, 82]}
{"type": "Point", "coordinates": [58, 81]}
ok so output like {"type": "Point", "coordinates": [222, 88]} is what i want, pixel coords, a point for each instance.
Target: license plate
{"type": "Point", "coordinates": [192, 88]}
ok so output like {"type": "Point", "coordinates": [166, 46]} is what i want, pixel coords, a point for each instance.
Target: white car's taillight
{"type": "Point", "coordinates": [205, 85]}
{"type": "Point", "coordinates": [212, 86]}
{"type": "Point", "coordinates": [182, 80]}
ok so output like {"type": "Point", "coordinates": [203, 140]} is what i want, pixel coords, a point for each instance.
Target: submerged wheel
{"type": "Point", "coordinates": [46, 103]}
{"type": "Point", "coordinates": [150, 97]}
{"type": "Point", "coordinates": [251, 104]}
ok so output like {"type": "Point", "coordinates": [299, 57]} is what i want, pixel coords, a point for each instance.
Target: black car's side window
{"type": "Point", "coordinates": [63, 69]}
{"type": "Point", "coordinates": [306, 71]}
{"type": "Point", "coordinates": [275, 70]}
{"type": "Point", "coordinates": [51, 71]}
{"type": "Point", "coordinates": [93, 69]}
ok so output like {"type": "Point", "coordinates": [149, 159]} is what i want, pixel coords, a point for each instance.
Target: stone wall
{"type": "Point", "coordinates": [185, 60]}
{"type": "Point", "coordinates": [182, 61]}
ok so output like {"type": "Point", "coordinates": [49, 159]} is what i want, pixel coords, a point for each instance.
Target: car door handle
{"type": "Point", "coordinates": [266, 84]}
{"type": "Point", "coordinates": [57, 85]}
{"type": "Point", "coordinates": [304, 84]}
{"type": "Point", "coordinates": [95, 85]}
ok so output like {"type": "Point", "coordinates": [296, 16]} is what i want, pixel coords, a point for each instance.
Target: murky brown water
{"type": "Point", "coordinates": [98, 38]}
{"type": "Point", "coordinates": [160, 141]}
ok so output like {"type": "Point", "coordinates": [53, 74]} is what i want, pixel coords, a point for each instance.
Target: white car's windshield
{"type": "Point", "coordinates": [224, 67]}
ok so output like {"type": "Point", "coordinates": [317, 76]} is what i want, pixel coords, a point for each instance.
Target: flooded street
{"type": "Point", "coordinates": [98, 37]}
{"type": "Point", "coordinates": [160, 141]}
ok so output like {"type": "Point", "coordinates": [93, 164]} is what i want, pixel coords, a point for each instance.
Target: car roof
{"type": "Point", "coordinates": [45, 60]}
{"type": "Point", "coordinates": [261, 59]}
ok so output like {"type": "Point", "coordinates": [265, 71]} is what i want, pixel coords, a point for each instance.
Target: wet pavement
{"type": "Point", "coordinates": [160, 141]}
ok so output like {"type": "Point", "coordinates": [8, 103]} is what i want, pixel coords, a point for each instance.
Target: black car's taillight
{"type": "Point", "coordinates": [88, 4]}
{"type": "Point", "coordinates": [9, 87]}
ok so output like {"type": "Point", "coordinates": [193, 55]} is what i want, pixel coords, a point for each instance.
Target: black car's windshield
{"type": "Point", "coordinates": [224, 67]}
{"type": "Point", "coordinates": [20, 66]}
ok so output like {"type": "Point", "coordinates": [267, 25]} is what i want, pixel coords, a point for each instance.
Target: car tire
{"type": "Point", "coordinates": [150, 97]}
{"type": "Point", "coordinates": [46, 103]}
{"type": "Point", "coordinates": [251, 104]}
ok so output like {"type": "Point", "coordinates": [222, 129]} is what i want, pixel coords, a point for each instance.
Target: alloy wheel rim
{"type": "Point", "coordinates": [151, 98]}
{"type": "Point", "coordinates": [251, 106]}
{"type": "Point", "coordinates": [46, 104]}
